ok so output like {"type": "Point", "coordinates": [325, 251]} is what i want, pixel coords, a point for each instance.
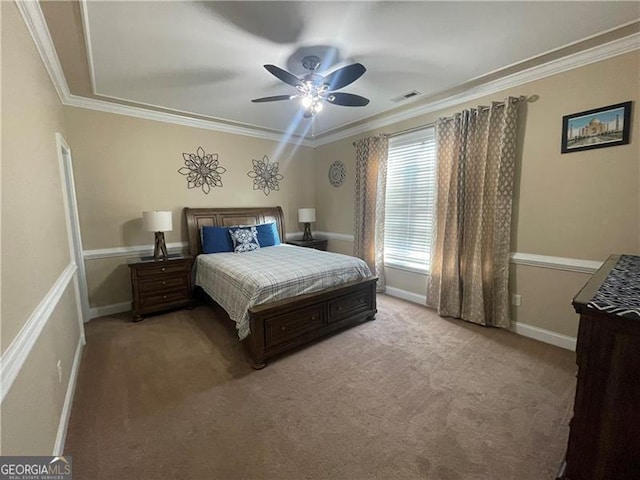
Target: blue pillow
{"type": "Point", "coordinates": [268, 235]}
{"type": "Point", "coordinates": [216, 240]}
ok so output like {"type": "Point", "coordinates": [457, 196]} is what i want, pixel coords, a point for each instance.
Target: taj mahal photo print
{"type": "Point", "coordinates": [598, 128]}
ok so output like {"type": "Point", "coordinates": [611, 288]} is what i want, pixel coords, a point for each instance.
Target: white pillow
{"type": "Point", "coordinates": [244, 239]}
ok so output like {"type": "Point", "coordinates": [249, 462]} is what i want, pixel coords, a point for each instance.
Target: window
{"type": "Point", "coordinates": [410, 198]}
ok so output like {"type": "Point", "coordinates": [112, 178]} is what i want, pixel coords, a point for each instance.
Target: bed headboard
{"type": "Point", "coordinates": [226, 217]}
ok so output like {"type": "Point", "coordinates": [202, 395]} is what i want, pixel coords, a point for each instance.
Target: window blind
{"type": "Point", "coordinates": [410, 199]}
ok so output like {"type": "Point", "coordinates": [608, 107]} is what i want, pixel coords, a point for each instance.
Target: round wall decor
{"type": "Point", "coordinates": [336, 173]}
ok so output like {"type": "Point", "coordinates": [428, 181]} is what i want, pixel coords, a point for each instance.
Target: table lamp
{"type": "Point", "coordinates": [306, 216]}
{"type": "Point", "coordinates": [158, 222]}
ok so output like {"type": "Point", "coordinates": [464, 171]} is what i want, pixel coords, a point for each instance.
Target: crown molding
{"type": "Point", "coordinates": [37, 26]}
{"type": "Point", "coordinates": [138, 112]}
{"type": "Point", "coordinates": [554, 67]}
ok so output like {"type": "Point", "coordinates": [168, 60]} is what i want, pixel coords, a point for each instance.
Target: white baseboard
{"type": "Point", "coordinates": [109, 309]}
{"type": "Point", "coordinates": [546, 336]}
{"type": "Point", "coordinates": [58, 448]}
{"type": "Point", "coordinates": [529, 331]}
{"type": "Point", "coordinates": [409, 296]}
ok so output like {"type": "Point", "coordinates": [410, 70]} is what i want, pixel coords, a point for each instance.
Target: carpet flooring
{"type": "Point", "coordinates": [409, 395]}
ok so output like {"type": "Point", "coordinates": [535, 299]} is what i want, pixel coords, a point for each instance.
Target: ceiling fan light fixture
{"type": "Point", "coordinates": [314, 89]}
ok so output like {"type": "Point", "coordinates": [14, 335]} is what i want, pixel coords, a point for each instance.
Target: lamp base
{"type": "Point", "coordinates": [306, 236]}
{"type": "Point", "coordinates": [160, 249]}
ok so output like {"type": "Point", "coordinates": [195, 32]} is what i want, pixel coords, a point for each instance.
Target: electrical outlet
{"type": "Point", "coordinates": [59, 371]}
{"type": "Point", "coordinates": [516, 300]}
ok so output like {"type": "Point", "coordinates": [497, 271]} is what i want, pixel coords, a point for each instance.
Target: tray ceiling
{"type": "Point", "coordinates": [205, 59]}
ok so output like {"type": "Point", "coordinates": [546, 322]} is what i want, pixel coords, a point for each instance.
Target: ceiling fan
{"type": "Point", "coordinates": [314, 89]}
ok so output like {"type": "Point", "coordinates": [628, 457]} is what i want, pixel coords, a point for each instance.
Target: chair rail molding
{"type": "Point", "coordinates": [17, 352]}
{"type": "Point", "coordinates": [345, 237]}
{"type": "Point", "coordinates": [131, 251]}
{"type": "Point", "coordinates": [556, 263]}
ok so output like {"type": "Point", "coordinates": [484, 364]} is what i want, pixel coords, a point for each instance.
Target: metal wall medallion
{"type": "Point", "coordinates": [336, 173]}
{"type": "Point", "coordinates": [265, 175]}
{"type": "Point", "coordinates": [202, 170]}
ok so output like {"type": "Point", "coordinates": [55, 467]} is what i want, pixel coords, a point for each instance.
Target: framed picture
{"type": "Point", "coordinates": [598, 128]}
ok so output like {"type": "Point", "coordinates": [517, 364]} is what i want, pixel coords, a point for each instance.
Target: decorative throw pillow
{"type": "Point", "coordinates": [216, 240]}
{"type": "Point", "coordinates": [268, 235]}
{"type": "Point", "coordinates": [244, 239]}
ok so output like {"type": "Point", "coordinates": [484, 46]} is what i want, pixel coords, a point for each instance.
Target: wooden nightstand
{"type": "Point", "coordinates": [318, 244]}
{"type": "Point", "coordinates": [160, 284]}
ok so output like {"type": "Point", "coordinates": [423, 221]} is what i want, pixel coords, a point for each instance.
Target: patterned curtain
{"type": "Point", "coordinates": [470, 260]}
{"type": "Point", "coordinates": [371, 181]}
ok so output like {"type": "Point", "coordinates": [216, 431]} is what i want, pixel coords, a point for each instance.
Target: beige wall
{"type": "Point", "coordinates": [32, 409]}
{"type": "Point", "coordinates": [35, 250]}
{"type": "Point", "coordinates": [582, 205]}
{"type": "Point", "coordinates": [124, 165]}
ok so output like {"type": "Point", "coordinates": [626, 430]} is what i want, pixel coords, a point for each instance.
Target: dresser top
{"type": "Point", "coordinates": [614, 289]}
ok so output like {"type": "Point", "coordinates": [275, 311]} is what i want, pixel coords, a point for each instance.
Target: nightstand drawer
{"type": "Point", "coordinates": [285, 327]}
{"type": "Point", "coordinates": [170, 283]}
{"type": "Point", "coordinates": [166, 269]}
{"type": "Point", "coordinates": [159, 300]}
{"type": "Point", "coordinates": [159, 285]}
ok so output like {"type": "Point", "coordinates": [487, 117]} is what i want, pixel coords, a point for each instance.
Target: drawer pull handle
{"type": "Point", "coordinates": [339, 309]}
{"type": "Point", "coordinates": [283, 328]}
{"type": "Point", "coordinates": [164, 296]}
{"type": "Point", "coordinates": [313, 317]}
{"type": "Point", "coordinates": [164, 283]}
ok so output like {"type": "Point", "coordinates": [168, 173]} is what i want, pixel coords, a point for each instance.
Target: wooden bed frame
{"type": "Point", "coordinates": [287, 324]}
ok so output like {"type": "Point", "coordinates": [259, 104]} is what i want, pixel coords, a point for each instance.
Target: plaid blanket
{"type": "Point", "coordinates": [238, 281]}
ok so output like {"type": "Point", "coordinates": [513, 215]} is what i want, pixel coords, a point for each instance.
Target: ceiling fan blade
{"type": "Point", "coordinates": [285, 76]}
{"type": "Point", "coordinates": [271, 99]}
{"type": "Point", "coordinates": [347, 99]}
{"type": "Point", "coordinates": [344, 76]}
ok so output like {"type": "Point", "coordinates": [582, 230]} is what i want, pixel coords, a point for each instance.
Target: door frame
{"type": "Point", "coordinates": [73, 227]}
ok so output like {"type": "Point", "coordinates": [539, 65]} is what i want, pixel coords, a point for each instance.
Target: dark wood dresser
{"type": "Point", "coordinates": [604, 440]}
{"type": "Point", "coordinates": [160, 284]}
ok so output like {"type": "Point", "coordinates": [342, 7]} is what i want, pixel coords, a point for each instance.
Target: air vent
{"type": "Point", "coordinates": [406, 96]}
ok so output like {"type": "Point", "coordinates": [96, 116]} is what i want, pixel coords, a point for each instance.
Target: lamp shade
{"type": "Point", "coordinates": [306, 215]}
{"type": "Point", "coordinates": [157, 221]}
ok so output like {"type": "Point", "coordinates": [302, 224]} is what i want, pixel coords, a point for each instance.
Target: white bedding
{"type": "Point", "coordinates": [238, 281]}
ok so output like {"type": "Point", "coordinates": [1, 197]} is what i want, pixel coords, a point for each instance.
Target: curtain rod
{"type": "Point", "coordinates": [406, 130]}
{"type": "Point", "coordinates": [521, 98]}
{"type": "Point", "coordinates": [409, 130]}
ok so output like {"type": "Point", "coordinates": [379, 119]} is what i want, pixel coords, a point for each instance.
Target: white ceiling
{"type": "Point", "coordinates": [205, 58]}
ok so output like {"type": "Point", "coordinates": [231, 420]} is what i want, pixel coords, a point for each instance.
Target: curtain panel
{"type": "Point", "coordinates": [470, 257]}
{"type": "Point", "coordinates": [370, 187]}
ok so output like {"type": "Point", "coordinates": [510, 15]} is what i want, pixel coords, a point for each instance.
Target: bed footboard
{"type": "Point", "coordinates": [285, 325]}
